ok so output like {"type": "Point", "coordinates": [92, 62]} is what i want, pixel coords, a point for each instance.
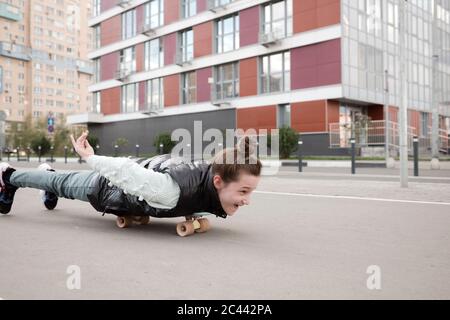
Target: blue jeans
{"type": "Point", "coordinates": [72, 185]}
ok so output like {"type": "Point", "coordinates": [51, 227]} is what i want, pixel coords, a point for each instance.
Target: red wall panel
{"type": "Point", "coordinates": [171, 90]}
{"type": "Point", "coordinates": [248, 73]}
{"type": "Point", "coordinates": [313, 14]}
{"type": "Point", "coordinates": [257, 118]}
{"type": "Point", "coordinates": [110, 101]}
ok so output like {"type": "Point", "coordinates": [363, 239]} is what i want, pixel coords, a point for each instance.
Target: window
{"type": "Point", "coordinates": [187, 45]}
{"type": "Point", "coordinates": [153, 54]}
{"type": "Point", "coordinates": [189, 8]}
{"type": "Point", "coordinates": [97, 37]}
{"type": "Point", "coordinates": [96, 7]}
{"type": "Point", "coordinates": [130, 100]}
{"type": "Point", "coordinates": [155, 94]}
{"type": "Point", "coordinates": [424, 124]}
{"type": "Point", "coordinates": [154, 13]}
{"type": "Point", "coordinates": [277, 18]}
{"type": "Point", "coordinates": [128, 60]}
{"type": "Point", "coordinates": [227, 34]}
{"type": "Point", "coordinates": [226, 81]}
{"type": "Point", "coordinates": [189, 87]}
{"type": "Point", "coordinates": [97, 69]}
{"type": "Point", "coordinates": [284, 116]}
{"type": "Point", "coordinates": [128, 24]}
{"type": "Point", "coordinates": [96, 105]}
{"type": "Point", "coordinates": [275, 73]}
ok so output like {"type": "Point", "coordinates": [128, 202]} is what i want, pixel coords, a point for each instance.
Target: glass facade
{"type": "Point", "coordinates": [370, 44]}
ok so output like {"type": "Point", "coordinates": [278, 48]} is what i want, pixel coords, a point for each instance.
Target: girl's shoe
{"type": "Point", "coordinates": [7, 190]}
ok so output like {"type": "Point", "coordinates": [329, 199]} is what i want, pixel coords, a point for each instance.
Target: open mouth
{"type": "Point", "coordinates": [236, 206]}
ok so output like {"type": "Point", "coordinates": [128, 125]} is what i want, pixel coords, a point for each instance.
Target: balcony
{"type": "Point", "coordinates": [14, 51]}
{"type": "Point", "coordinates": [10, 12]}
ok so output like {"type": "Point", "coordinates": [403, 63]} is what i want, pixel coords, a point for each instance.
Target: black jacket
{"type": "Point", "coordinates": [195, 180]}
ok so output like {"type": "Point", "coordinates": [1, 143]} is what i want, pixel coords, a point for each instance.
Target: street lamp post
{"type": "Point", "coordinates": [403, 132]}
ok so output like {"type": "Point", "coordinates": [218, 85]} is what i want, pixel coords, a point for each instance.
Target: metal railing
{"type": "Point", "coordinates": [372, 133]}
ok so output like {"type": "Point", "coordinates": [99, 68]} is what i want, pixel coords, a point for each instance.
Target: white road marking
{"type": "Point", "coordinates": [350, 197]}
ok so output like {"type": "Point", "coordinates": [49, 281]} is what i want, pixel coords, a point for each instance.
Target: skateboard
{"type": "Point", "coordinates": [190, 226]}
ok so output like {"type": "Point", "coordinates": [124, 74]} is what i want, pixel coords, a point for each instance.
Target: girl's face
{"type": "Point", "coordinates": [235, 194]}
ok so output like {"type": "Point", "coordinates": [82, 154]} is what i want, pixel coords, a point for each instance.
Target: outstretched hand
{"type": "Point", "coordinates": [82, 146]}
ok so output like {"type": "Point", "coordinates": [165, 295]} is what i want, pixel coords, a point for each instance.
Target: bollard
{"type": "Point", "coordinates": [353, 142]}
{"type": "Point", "coordinates": [39, 152]}
{"type": "Point", "coordinates": [300, 164]}
{"type": "Point", "coordinates": [18, 156]}
{"type": "Point", "coordinates": [9, 154]}
{"type": "Point", "coordinates": [116, 150]}
{"type": "Point", "coordinates": [161, 148]}
{"type": "Point", "coordinates": [416, 156]}
{"type": "Point", "coordinates": [137, 151]}
{"type": "Point", "coordinates": [51, 154]}
{"type": "Point", "coordinates": [28, 154]}
{"type": "Point", "coordinates": [65, 154]}
{"type": "Point", "coordinates": [1, 153]}
{"type": "Point", "coordinates": [96, 149]}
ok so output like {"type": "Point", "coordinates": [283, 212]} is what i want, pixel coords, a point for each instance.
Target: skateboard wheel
{"type": "Point", "coordinates": [141, 220]}
{"type": "Point", "coordinates": [124, 222]}
{"type": "Point", "coordinates": [204, 225]}
{"type": "Point", "coordinates": [185, 228]}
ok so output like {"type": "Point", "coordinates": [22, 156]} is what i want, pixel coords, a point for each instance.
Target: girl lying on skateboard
{"type": "Point", "coordinates": [159, 187]}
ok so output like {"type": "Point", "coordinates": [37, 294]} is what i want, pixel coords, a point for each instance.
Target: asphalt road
{"type": "Point", "coordinates": [301, 238]}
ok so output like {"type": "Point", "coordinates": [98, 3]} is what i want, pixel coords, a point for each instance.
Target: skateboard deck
{"type": "Point", "coordinates": [193, 224]}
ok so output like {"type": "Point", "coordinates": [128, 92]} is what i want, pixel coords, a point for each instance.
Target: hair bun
{"type": "Point", "coordinates": [246, 146]}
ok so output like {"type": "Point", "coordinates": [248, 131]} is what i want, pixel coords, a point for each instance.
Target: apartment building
{"type": "Point", "coordinates": [43, 59]}
{"type": "Point", "coordinates": [316, 66]}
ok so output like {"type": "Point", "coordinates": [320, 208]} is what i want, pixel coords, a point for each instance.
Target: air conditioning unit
{"type": "Point", "coordinates": [216, 6]}
{"type": "Point", "coordinates": [269, 38]}
{"type": "Point", "coordinates": [219, 102]}
{"type": "Point", "coordinates": [179, 60]}
{"type": "Point", "coordinates": [151, 110]}
{"type": "Point", "coordinates": [122, 74]}
{"type": "Point", "coordinates": [148, 30]}
{"type": "Point", "coordinates": [124, 3]}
